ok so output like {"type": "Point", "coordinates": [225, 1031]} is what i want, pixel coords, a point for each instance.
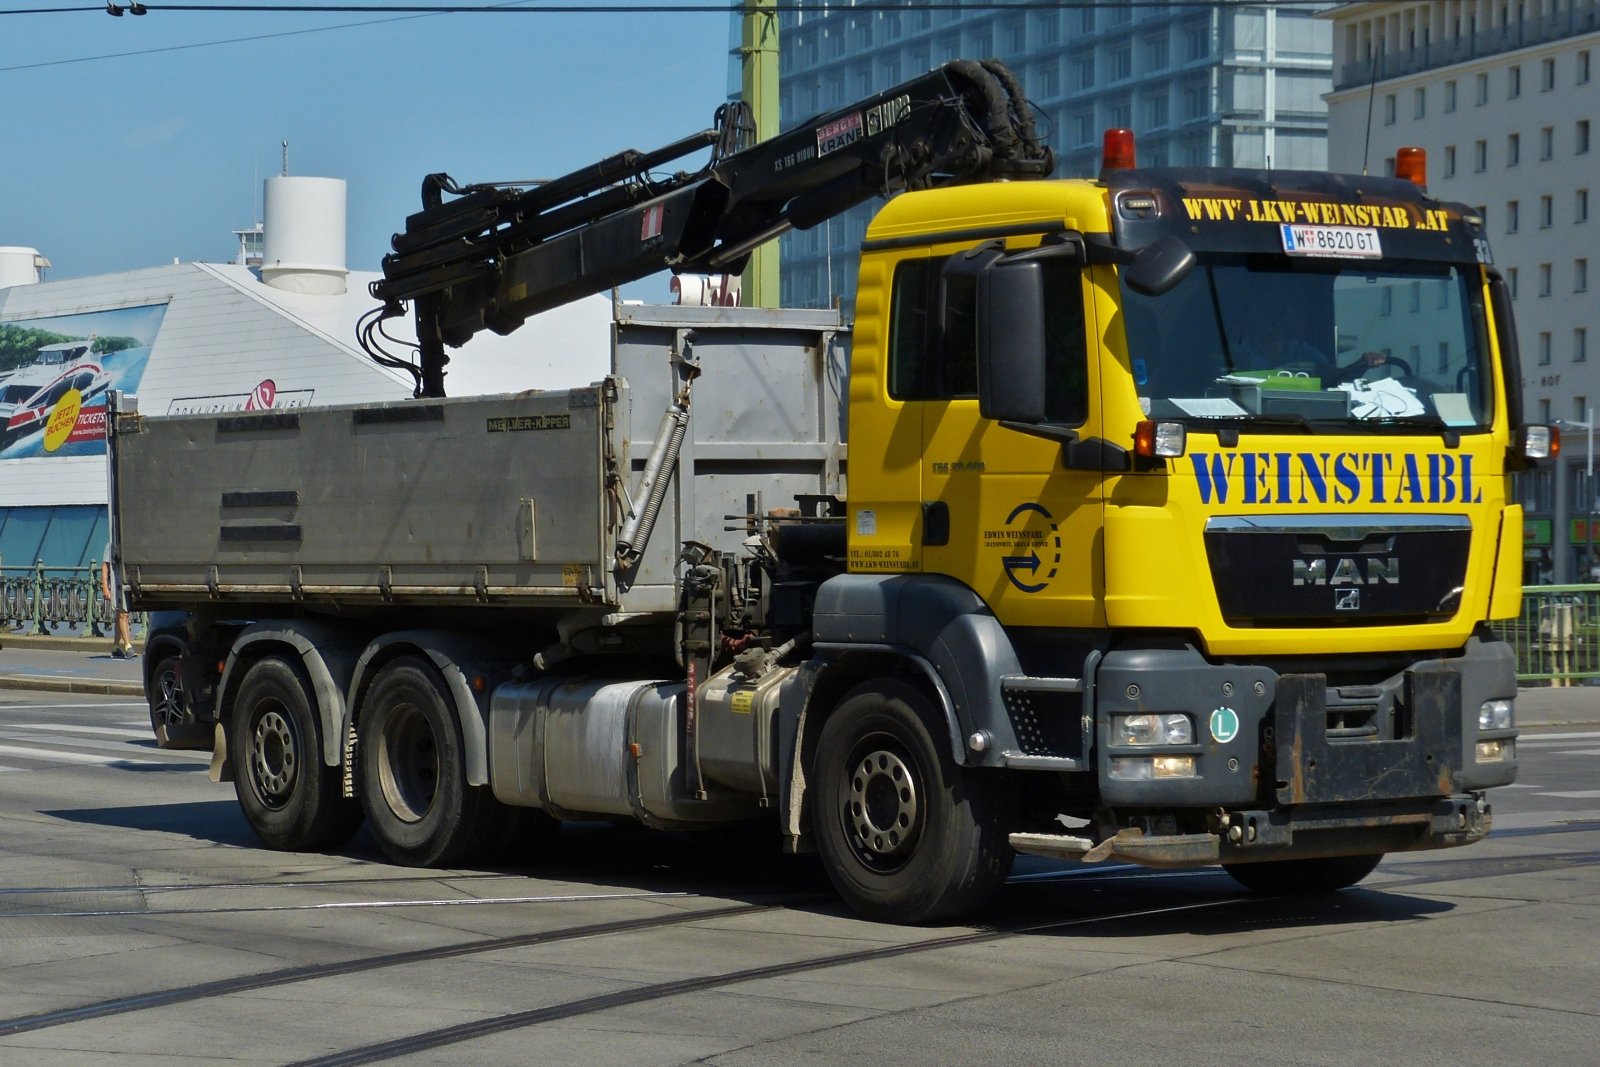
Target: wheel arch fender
{"type": "Point", "coordinates": [810, 695]}
{"type": "Point", "coordinates": [946, 628]}
{"type": "Point", "coordinates": [157, 648]}
{"type": "Point", "coordinates": [324, 651]}
{"type": "Point", "coordinates": [459, 659]}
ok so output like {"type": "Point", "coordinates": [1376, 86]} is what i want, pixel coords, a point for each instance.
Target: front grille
{"type": "Point", "coordinates": [1046, 722]}
{"type": "Point", "coordinates": [1336, 570]}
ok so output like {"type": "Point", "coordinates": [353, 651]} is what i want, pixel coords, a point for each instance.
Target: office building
{"type": "Point", "coordinates": [1503, 98]}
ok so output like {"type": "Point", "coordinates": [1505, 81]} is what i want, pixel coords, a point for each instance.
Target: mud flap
{"type": "Point", "coordinates": [221, 766]}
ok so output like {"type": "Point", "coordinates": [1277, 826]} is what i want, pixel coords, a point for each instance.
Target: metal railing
{"type": "Point", "coordinates": [1557, 636]}
{"type": "Point", "coordinates": [40, 599]}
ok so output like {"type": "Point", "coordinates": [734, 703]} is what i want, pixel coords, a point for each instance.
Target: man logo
{"type": "Point", "coordinates": [1346, 572]}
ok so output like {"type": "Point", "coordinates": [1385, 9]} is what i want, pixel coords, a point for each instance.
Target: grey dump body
{"type": "Point", "coordinates": [512, 500]}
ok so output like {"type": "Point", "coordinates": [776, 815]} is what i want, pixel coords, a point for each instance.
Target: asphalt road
{"type": "Point", "coordinates": [141, 924]}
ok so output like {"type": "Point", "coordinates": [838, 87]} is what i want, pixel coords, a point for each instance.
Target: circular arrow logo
{"type": "Point", "coordinates": [1224, 725]}
{"type": "Point", "coordinates": [1032, 563]}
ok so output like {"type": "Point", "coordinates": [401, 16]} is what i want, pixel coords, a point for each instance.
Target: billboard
{"type": "Point", "coordinates": [55, 373]}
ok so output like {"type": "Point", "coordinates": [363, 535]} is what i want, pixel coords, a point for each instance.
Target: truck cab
{"type": "Point", "coordinates": [1228, 449]}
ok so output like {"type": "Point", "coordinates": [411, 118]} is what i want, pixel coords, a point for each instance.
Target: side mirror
{"type": "Point", "coordinates": [1159, 267]}
{"type": "Point", "coordinates": [1011, 340]}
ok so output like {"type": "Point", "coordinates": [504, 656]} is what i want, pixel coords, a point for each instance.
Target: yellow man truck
{"type": "Point", "coordinates": [1157, 518]}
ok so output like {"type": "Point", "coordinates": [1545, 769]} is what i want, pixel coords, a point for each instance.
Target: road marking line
{"type": "Point", "coordinates": [143, 735]}
{"type": "Point", "coordinates": [1574, 794]}
{"type": "Point", "coordinates": [1557, 737]}
{"type": "Point", "coordinates": [53, 755]}
{"type": "Point", "coordinates": [128, 751]}
{"type": "Point", "coordinates": [5, 706]}
{"type": "Point", "coordinates": [1577, 752]}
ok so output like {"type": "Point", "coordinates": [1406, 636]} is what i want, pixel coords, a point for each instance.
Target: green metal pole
{"type": "Point", "coordinates": [38, 596]}
{"type": "Point", "coordinates": [759, 52]}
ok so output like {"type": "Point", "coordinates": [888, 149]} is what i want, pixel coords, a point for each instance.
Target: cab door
{"type": "Point", "coordinates": [1019, 526]}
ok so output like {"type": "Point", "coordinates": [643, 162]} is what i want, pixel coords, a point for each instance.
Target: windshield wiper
{"type": "Point", "coordinates": [1451, 434]}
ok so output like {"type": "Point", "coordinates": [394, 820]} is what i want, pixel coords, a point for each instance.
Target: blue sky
{"type": "Point", "coordinates": [125, 163]}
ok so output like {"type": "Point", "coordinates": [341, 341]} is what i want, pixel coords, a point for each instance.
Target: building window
{"type": "Point", "coordinates": [1544, 414]}
{"type": "Point", "coordinates": [1580, 412]}
{"type": "Point", "coordinates": [1547, 212]}
{"type": "Point", "coordinates": [1511, 281]}
{"type": "Point", "coordinates": [1049, 81]}
{"type": "Point", "coordinates": [1389, 109]}
{"type": "Point", "coordinates": [1450, 96]}
{"type": "Point", "coordinates": [1048, 25]}
{"type": "Point", "coordinates": [1544, 279]}
{"type": "Point", "coordinates": [1583, 67]}
{"type": "Point", "coordinates": [1513, 149]}
{"type": "Point", "coordinates": [1544, 354]}
{"type": "Point", "coordinates": [1416, 306]}
{"type": "Point", "coordinates": [1083, 127]}
{"type": "Point", "coordinates": [1582, 145]}
{"type": "Point", "coordinates": [1388, 167]}
{"type": "Point", "coordinates": [1547, 75]}
{"type": "Point", "coordinates": [1155, 53]}
{"type": "Point", "coordinates": [1483, 89]}
{"type": "Point", "coordinates": [1444, 356]}
{"type": "Point", "coordinates": [1083, 72]}
{"type": "Point", "coordinates": [1580, 276]}
{"type": "Point", "coordinates": [1480, 156]}
{"type": "Point", "coordinates": [1122, 61]}
{"type": "Point", "coordinates": [1419, 103]}
{"type": "Point", "coordinates": [1197, 43]}
{"type": "Point", "coordinates": [1386, 300]}
{"type": "Point", "coordinates": [1194, 101]}
{"type": "Point", "coordinates": [1513, 216]}
{"type": "Point", "coordinates": [1513, 83]}
{"type": "Point", "coordinates": [1547, 143]}
{"type": "Point", "coordinates": [1155, 112]}
{"type": "Point", "coordinates": [1449, 161]}
{"type": "Point", "coordinates": [1580, 345]}
{"type": "Point", "coordinates": [1016, 38]}
{"type": "Point", "coordinates": [1120, 114]}
{"type": "Point", "coordinates": [1580, 207]}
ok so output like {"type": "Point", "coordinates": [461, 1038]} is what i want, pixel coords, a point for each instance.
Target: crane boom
{"type": "Point", "coordinates": [496, 254]}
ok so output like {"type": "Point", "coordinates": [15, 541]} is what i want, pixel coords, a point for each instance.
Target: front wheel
{"type": "Point", "coordinates": [1303, 877]}
{"type": "Point", "coordinates": [906, 834]}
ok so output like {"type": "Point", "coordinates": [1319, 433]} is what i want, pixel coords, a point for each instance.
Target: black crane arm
{"type": "Point", "coordinates": [497, 254]}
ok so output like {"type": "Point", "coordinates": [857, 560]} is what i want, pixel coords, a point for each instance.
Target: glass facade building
{"type": "Point", "coordinates": [1231, 85]}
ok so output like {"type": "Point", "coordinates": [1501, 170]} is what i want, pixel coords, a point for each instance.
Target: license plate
{"type": "Point", "coordinates": [1343, 242]}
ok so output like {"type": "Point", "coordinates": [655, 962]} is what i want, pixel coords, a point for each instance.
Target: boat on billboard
{"type": "Point", "coordinates": [55, 374]}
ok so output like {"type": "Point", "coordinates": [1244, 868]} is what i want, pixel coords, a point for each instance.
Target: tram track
{"type": "Point", "coordinates": [310, 972]}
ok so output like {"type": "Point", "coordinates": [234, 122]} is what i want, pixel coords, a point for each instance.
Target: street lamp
{"type": "Point", "coordinates": [1588, 479]}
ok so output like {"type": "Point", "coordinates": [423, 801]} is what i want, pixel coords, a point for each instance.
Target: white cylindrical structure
{"type": "Point", "coordinates": [20, 266]}
{"type": "Point", "coordinates": [303, 246]}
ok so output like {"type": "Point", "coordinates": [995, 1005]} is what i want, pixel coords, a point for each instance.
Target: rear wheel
{"type": "Point", "coordinates": [290, 797]}
{"type": "Point", "coordinates": [1303, 877]}
{"type": "Point", "coordinates": [906, 834]}
{"type": "Point", "coordinates": [413, 772]}
{"type": "Point", "coordinates": [166, 695]}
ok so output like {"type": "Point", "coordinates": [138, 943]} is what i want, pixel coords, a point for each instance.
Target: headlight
{"type": "Point", "coordinates": [1495, 715]}
{"type": "Point", "coordinates": [1169, 729]}
{"type": "Point", "coordinates": [1144, 768]}
{"type": "Point", "coordinates": [1496, 751]}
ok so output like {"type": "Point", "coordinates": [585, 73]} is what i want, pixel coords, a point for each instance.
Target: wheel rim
{"type": "Point", "coordinates": [275, 759]}
{"type": "Point", "coordinates": [169, 698]}
{"type": "Point", "coordinates": [408, 763]}
{"type": "Point", "coordinates": [882, 804]}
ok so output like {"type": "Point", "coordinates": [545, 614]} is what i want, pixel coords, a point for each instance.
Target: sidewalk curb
{"type": "Point", "coordinates": [52, 643]}
{"type": "Point", "coordinates": [51, 684]}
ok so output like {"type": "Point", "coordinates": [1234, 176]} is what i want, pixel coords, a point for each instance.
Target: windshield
{"type": "Point", "coordinates": [1328, 346]}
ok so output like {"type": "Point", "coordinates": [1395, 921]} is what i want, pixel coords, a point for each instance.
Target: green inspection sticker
{"type": "Point", "coordinates": [1224, 725]}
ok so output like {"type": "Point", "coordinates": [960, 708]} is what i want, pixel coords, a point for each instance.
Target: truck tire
{"type": "Point", "coordinates": [292, 800]}
{"type": "Point", "coordinates": [1303, 877]}
{"type": "Point", "coordinates": [414, 775]}
{"type": "Point", "coordinates": [906, 834]}
{"type": "Point", "coordinates": [166, 695]}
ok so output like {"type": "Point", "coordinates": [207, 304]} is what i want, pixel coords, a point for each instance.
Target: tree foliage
{"type": "Point", "coordinates": [20, 345]}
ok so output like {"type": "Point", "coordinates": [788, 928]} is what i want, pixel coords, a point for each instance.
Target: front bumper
{"type": "Point", "coordinates": [1266, 740]}
{"type": "Point", "coordinates": [1257, 836]}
